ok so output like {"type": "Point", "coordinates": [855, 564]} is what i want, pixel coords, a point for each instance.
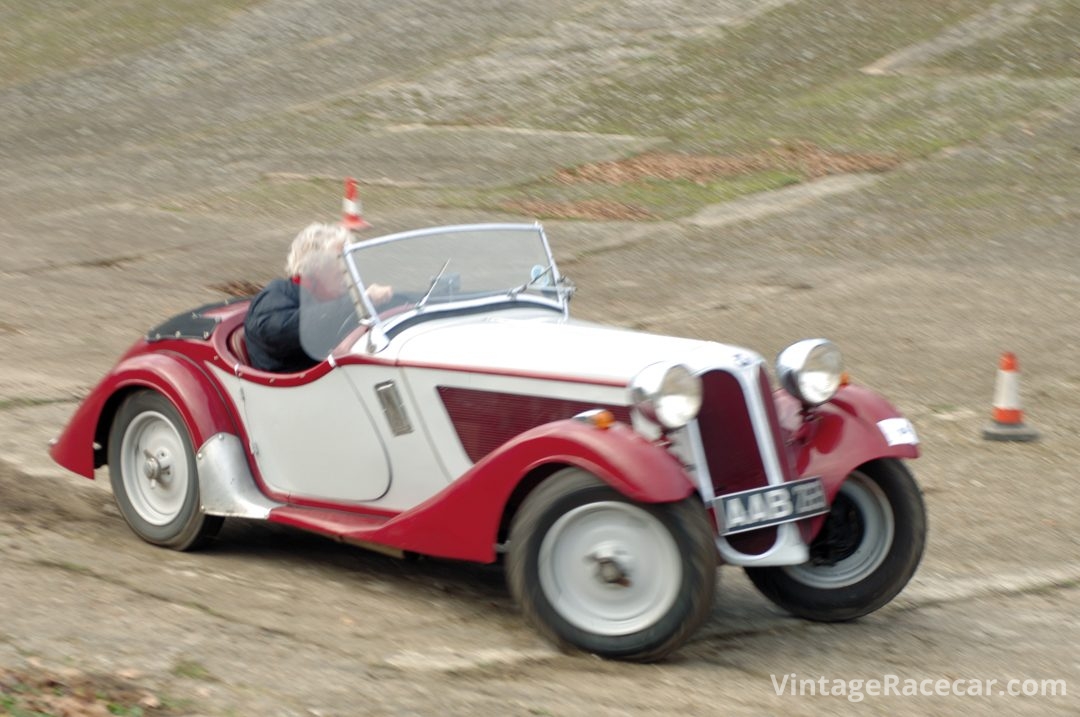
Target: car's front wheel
{"type": "Point", "coordinates": [598, 572]}
{"type": "Point", "coordinates": [154, 476]}
{"type": "Point", "coordinates": [864, 555]}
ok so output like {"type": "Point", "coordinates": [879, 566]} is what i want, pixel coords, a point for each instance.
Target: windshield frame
{"type": "Point", "coordinates": [381, 330]}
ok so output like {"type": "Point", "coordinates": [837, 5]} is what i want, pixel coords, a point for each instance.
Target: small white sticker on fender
{"type": "Point", "coordinates": [898, 431]}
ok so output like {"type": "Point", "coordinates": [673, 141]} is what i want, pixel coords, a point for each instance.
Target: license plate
{"type": "Point", "coordinates": [771, 505]}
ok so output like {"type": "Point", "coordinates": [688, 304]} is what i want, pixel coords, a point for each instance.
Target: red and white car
{"type": "Point", "coordinates": [472, 418]}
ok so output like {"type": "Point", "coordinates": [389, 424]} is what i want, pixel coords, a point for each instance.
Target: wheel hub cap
{"type": "Point", "coordinates": [611, 568]}
{"type": "Point", "coordinates": [157, 467]}
{"type": "Point", "coordinates": [155, 472]}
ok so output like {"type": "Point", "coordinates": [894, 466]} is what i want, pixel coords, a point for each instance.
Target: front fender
{"type": "Point", "coordinates": [176, 377]}
{"type": "Point", "coordinates": [463, 520]}
{"type": "Point", "coordinates": [834, 439]}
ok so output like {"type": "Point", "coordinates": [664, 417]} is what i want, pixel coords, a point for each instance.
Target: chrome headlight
{"type": "Point", "coordinates": [810, 370]}
{"type": "Point", "coordinates": [666, 393]}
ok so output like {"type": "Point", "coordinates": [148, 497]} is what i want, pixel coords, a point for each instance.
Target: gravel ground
{"type": "Point", "coordinates": [137, 183]}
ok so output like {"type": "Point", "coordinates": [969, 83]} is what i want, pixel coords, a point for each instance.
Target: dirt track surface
{"type": "Point", "coordinates": [135, 182]}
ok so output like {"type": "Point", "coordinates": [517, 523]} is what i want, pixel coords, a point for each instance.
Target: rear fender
{"type": "Point", "coordinates": [176, 377]}
{"type": "Point", "coordinates": [463, 520]}
{"type": "Point", "coordinates": [834, 439]}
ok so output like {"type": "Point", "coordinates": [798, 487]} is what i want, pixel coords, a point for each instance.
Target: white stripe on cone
{"type": "Point", "coordinates": [1007, 391]}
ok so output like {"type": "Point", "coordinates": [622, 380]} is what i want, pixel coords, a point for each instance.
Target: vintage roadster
{"type": "Point", "coordinates": [471, 418]}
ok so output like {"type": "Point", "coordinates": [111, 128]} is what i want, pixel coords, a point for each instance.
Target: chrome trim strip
{"type": "Point", "coordinates": [226, 486]}
{"type": "Point", "coordinates": [393, 408]}
{"type": "Point", "coordinates": [759, 417]}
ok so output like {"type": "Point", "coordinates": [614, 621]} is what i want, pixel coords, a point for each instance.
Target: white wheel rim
{"type": "Point", "coordinates": [154, 466]}
{"type": "Point", "coordinates": [879, 527]}
{"type": "Point", "coordinates": [610, 568]}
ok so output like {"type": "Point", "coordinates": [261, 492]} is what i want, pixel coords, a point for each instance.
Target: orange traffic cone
{"type": "Point", "coordinates": [351, 209]}
{"type": "Point", "coordinates": [1008, 418]}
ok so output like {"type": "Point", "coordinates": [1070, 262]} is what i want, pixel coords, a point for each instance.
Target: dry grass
{"type": "Point", "coordinates": [805, 158]}
{"type": "Point", "coordinates": [592, 209]}
{"type": "Point", "coordinates": [74, 694]}
{"type": "Point", "coordinates": [240, 288]}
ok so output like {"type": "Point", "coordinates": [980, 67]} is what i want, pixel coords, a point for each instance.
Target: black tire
{"type": "Point", "coordinates": [855, 567]}
{"type": "Point", "coordinates": [626, 623]}
{"type": "Point", "coordinates": [158, 494]}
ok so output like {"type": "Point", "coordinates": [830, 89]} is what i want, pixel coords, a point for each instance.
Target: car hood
{"type": "Point", "coordinates": [555, 347]}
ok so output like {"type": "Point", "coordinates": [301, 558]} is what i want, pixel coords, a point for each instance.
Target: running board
{"type": "Point", "coordinates": [341, 525]}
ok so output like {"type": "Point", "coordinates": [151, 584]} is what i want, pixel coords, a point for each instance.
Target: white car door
{"type": "Point", "coordinates": [316, 440]}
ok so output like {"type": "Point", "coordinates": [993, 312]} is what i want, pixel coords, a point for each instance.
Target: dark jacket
{"type": "Point", "coordinates": [272, 329]}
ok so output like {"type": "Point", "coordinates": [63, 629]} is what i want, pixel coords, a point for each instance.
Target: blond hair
{"type": "Point", "coordinates": [315, 245]}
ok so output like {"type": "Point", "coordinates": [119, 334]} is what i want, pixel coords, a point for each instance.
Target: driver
{"type": "Point", "coordinates": [272, 325]}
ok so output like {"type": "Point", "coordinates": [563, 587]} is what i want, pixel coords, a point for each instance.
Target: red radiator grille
{"type": "Point", "coordinates": [727, 435]}
{"type": "Point", "coordinates": [731, 446]}
{"type": "Point", "coordinates": [484, 420]}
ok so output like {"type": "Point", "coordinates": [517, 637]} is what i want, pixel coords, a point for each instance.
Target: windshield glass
{"type": "Point", "coordinates": [438, 269]}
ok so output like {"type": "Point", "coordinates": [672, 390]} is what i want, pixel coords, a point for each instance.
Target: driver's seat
{"type": "Point", "coordinates": [238, 346]}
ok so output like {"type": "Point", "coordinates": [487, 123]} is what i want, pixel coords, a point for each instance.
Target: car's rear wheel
{"type": "Point", "coordinates": [595, 571]}
{"type": "Point", "coordinates": [864, 555]}
{"type": "Point", "coordinates": [154, 476]}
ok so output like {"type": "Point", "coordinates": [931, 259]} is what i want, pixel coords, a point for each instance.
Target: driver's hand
{"type": "Point", "coordinates": [379, 294]}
